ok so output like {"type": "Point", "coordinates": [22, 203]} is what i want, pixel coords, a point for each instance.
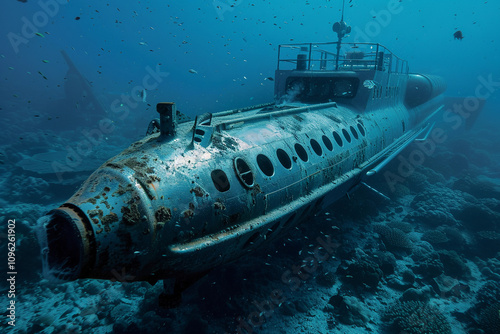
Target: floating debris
{"type": "Point", "coordinates": [39, 34]}
{"type": "Point", "coordinates": [11, 68]}
{"type": "Point", "coordinates": [269, 78]}
{"type": "Point", "coordinates": [77, 18]}
{"type": "Point", "coordinates": [458, 35]}
{"type": "Point", "coordinates": [193, 71]}
{"type": "Point", "coordinates": [43, 76]}
{"type": "Point", "coordinates": [45, 61]}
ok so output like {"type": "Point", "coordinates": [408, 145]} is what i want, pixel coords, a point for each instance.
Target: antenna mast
{"type": "Point", "coordinates": [341, 28]}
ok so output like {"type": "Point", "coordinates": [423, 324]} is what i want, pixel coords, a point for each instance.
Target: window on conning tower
{"type": "Point", "coordinates": [320, 89]}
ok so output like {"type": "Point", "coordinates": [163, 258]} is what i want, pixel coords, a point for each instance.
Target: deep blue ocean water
{"type": "Point", "coordinates": [209, 56]}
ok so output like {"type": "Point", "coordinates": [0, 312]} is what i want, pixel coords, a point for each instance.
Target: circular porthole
{"type": "Point", "coordinates": [338, 139]}
{"type": "Point", "coordinates": [354, 133]}
{"type": "Point", "coordinates": [316, 147]}
{"type": "Point", "coordinates": [301, 152]}
{"type": "Point", "coordinates": [284, 158]}
{"type": "Point", "coordinates": [361, 129]}
{"type": "Point", "coordinates": [244, 172]}
{"type": "Point", "coordinates": [327, 142]}
{"type": "Point", "coordinates": [346, 135]}
{"type": "Point", "coordinates": [265, 165]}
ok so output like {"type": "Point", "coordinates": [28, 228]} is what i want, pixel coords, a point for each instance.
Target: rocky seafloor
{"type": "Point", "coordinates": [425, 261]}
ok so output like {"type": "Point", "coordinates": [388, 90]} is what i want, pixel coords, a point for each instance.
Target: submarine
{"type": "Point", "coordinates": [195, 194]}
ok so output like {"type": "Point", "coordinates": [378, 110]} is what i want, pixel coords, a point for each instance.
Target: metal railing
{"type": "Point", "coordinates": [352, 57]}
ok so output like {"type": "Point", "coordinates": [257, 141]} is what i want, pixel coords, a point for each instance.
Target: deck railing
{"type": "Point", "coordinates": [352, 57]}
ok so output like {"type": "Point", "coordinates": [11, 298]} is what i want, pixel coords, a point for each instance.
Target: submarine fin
{"type": "Point", "coordinates": [462, 107]}
{"type": "Point", "coordinates": [393, 151]}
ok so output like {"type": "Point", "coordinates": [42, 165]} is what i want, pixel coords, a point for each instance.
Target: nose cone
{"type": "Point", "coordinates": [65, 243]}
{"type": "Point", "coordinates": [107, 227]}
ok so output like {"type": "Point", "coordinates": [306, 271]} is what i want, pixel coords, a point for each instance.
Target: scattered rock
{"type": "Point", "coordinates": [418, 295]}
{"type": "Point", "coordinates": [416, 317]}
{"type": "Point", "coordinates": [349, 310]}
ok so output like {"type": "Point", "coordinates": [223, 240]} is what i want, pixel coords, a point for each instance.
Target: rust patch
{"type": "Point", "coordinates": [224, 143]}
{"type": "Point", "coordinates": [106, 204]}
{"type": "Point", "coordinates": [121, 190]}
{"type": "Point", "coordinates": [189, 213]}
{"type": "Point", "coordinates": [198, 192]}
{"type": "Point", "coordinates": [131, 215]}
{"type": "Point", "coordinates": [134, 164]}
{"type": "Point", "coordinates": [91, 200]}
{"type": "Point", "coordinates": [153, 178]}
{"type": "Point", "coordinates": [110, 218]}
{"type": "Point", "coordinates": [94, 213]}
{"type": "Point", "coordinates": [162, 215]}
{"type": "Point", "coordinates": [218, 205]}
{"type": "Point", "coordinates": [230, 143]}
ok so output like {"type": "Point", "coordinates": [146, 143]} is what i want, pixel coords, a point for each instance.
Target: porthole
{"type": "Point", "coordinates": [219, 178]}
{"type": "Point", "coordinates": [346, 135]}
{"type": "Point", "coordinates": [244, 172]}
{"type": "Point", "coordinates": [316, 147]}
{"type": "Point", "coordinates": [265, 165]}
{"type": "Point", "coordinates": [284, 158]}
{"type": "Point", "coordinates": [354, 133]}
{"type": "Point", "coordinates": [328, 143]}
{"type": "Point", "coordinates": [337, 138]}
{"type": "Point", "coordinates": [301, 152]}
{"type": "Point", "coordinates": [361, 129]}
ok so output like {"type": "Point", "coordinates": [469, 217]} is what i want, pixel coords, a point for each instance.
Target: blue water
{"type": "Point", "coordinates": [208, 56]}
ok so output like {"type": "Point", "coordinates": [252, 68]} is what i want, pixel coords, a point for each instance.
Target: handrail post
{"type": "Point", "coordinates": [310, 55]}
{"type": "Point", "coordinates": [279, 56]}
